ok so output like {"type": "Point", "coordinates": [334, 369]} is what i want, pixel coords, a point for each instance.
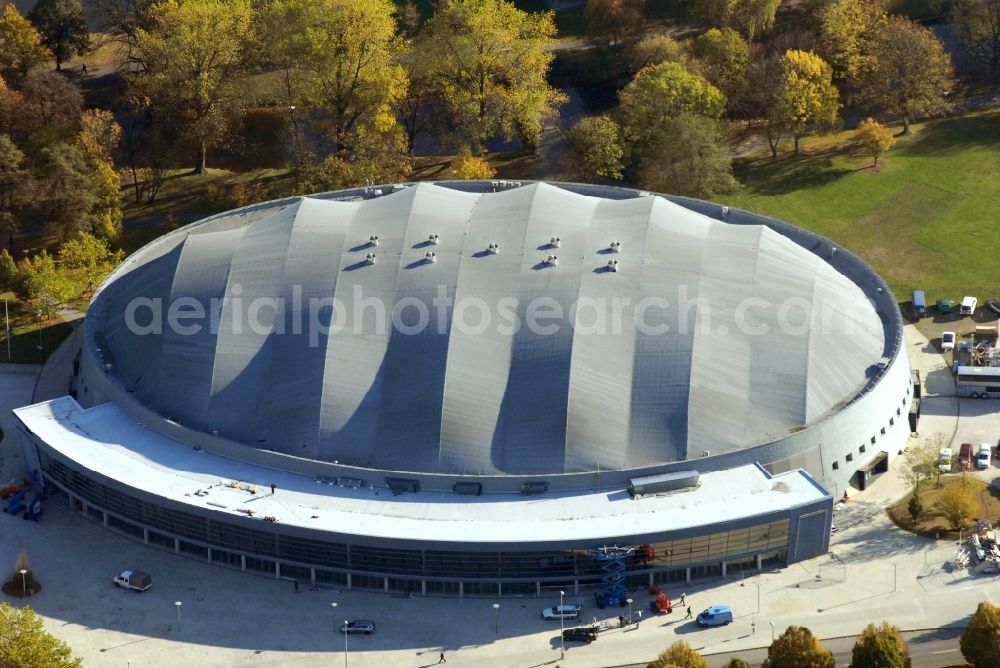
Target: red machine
{"type": "Point", "coordinates": [661, 603]}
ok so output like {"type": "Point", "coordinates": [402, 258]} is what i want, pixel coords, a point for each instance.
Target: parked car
{"type": "Point", "coordinates": [983, 458]}
{"type": "Point", "coordinates": [567, 611]}
{"type": "Point", "coordinates": [944, 460]}
{"type": "Point", "coordinates": [365, 626]}
{"type": "Point", "coordinates": [968, 306]}
{"type": "Point", "coordinates": [993, 305]}
{"type": "Point", "coordinates": [947, 341]}
{"type": "Point", "coordinates": [918, 304]}
{"type": "Point", "coordinates": [134, 580]}
{"type": "Point", "coordinates": [581, 633]}
{"type": "Point", "coordinates": [717, 615]}
{"type": "Point", "coordinates": [945, 306]}
{"type": "Point", "coordinates": [965, 456]}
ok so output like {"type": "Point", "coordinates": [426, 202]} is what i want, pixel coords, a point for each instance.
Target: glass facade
{"type": "Point", "coordinates": [487, 573]}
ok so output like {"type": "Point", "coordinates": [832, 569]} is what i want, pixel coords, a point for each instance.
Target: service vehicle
{"type": "Point", "coordinates": [968, 306]}
{"type": "Point", "coordinates": [134, 580]}
{"type": "Point", "coordinates": [661, 603]}
{"type": "Point", "coordinates": [919, 305]}
{"type": "Point", "coordinates": [567, 611]}
{"type": "Point", "coordinates": [717, 615]}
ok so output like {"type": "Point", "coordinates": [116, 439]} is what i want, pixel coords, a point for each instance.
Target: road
{"type": "Point", "coordinates": [928, 649]}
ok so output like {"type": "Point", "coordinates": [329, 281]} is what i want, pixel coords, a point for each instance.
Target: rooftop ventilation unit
{"type": "Point", "coordinates": [433, 239]}
{"type": "Point", "coordinates": [430, 257]}
{"type": "Point", "coordinates": [612, 265]}
{"type": "Point", "coordinates": [493, 249]}
{"type": "Point", "coordinates": [555, 242]}
{"type": "Point", "coordinates": [403, 485]}
{"type": "Point", "coordinates": [370, 258]}
{"type": "Point", "coordinates": [373, 240]}
{"type": "Point", "coordinates": [614, 247]}
{"type": "Point", "coordinates": [470, 488]}
{"type": "Point", "coordinates": [552, 260]}
{"type": "Point", "coordinates": [534, 487]}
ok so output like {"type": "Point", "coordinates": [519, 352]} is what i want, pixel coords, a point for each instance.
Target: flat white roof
{"type": "Point", "coordinates": [107, 441]}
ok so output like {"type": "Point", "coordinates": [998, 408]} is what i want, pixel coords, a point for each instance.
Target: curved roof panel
{"type": "Point", "coordinates": [708, 336]}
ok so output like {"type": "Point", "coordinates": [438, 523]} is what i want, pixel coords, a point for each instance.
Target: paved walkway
{"type": "Point", "coordinates": [875, 571]}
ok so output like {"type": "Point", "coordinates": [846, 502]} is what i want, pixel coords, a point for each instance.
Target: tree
{"type": "Point", "coordinates": [980, 642]}
{"type": "Point", "coordinates": [921, 462]}
{"type": "Point", "coordinates": [598, 141]}
{"type": "Point", "coordinates": [679, 654]}
{"type": "Point", "coordinates": [807, 100]}
{"type": "Point", "coordinates": [911, 74]}
{"type": "Point", "coordinates": [338, 58]}
{"type": "Point", "coordinates": [195, 54]}
{"type": "Point", "coordinates": [469, 167]}
{"type": "Point", "coordinates": [100, 133]}
{"type": "Point", "coordinates": [797, 647]}
{"type": "Point", "coordinates": [654, 49]}
{"type": "Point", "coordinates": [724, 56]}
{"type": "Point", "coordinates": [42, 285]}
{"type": "Point", "coordinates": [14, 183]}
{"type": "Point", "coordinates": [749, 17]}
{"type": "Point", "coordinates": [88, 260]}
{"type": "Point", "coordinates": [958, 503]}
{"type": "Point", "coordinates": [880, 646]}
{"type": "Point", "coordinates": [845, 29]}
{"type": "Point", "coordinates": [68, 197]}
{"type": "Point", "coordinates": [737, 662]}
{"type": "Point", "coordinates": [762, 96]}
{"type": "Point", "coordinates": [875, 138]}
{"type": "Point", "coordinates": [689, 158]}
{"type": "Point", "coordinates": [49, 109]}
{"type": "Point", "coordinates": [63, 28]}
{"type": "Point", "coordinates": [976, 25]}
{"type": "Point", "coordinates": [25, 643]}
{"type": "Point", "coordinates": [21, 46]}
{"type": "Point", "coordinates": [659, 93]}
{"type": "Point", "coordinates": [914, 506]}
{"type": "Point", "coordinates": [122, 21]}
{"type": "Point", "coordinates": [8, 271]}
{"type": "Point", "coordinates": [489, 68]}
{"type": "Point", "coordinates": [613, 21]}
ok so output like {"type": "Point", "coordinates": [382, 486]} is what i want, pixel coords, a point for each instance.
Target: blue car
{"type": "Point", "coordinates": [717, 615]}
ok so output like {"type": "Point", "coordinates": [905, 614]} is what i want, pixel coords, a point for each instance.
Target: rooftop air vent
{"type": "Point", "coordinates": [614, 247]}
{"type": "Point", "coordinates": [373, 240]}
{"type": "Point", "coordinates": [555, 242]}
{"type": "Point", "coordinates": [430, 257]}
{"type": "Point", "coordinates": [552, 260]}
{"type": "Point", "coordinates": [370, 258]}
{"type": "Point", "coordinates": [493, 249]}
{"type": "Point", "coordinates": [612, 265]}
{"type": "Point", "coordinates": [432, 239]}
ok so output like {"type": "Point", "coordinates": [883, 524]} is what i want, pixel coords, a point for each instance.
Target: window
{"type": "Point", "coordinates": [883, 431]}
{"type": "Point", "coordinates": [850, 457]}
{"type": "Point", "coordinates": [892, 421]}
{"type": "Point", "coordinates": [836, 466]}
{"type": "Point", "coordinates": [861, 449]}
{"type": "Point", "coordinates": [873, 439]}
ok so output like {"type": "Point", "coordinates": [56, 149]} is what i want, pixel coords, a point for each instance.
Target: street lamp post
{"type": "Point", "coordinates": [562, 627]}
{"type": "Point", "coordinates": [496, 617]}
{"type": "Point", "coordinates": [345, 643]}
{"type": "Point", "coordinates": [24, 581]}
{"type": "Point", "coordinates": [772, 632]}
{"type": "Point", "coordinates": [758, 597]}
{"type": "Point", "coordinates": [177, 604]}
{"type": "Point", "coordinates": [629, 601]}
{"type": "Point", "coordinates": [894, 576]}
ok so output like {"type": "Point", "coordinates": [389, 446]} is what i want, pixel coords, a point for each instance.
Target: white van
{"type": "Point", "coordinates": [968, 306]}
{"type": "Point", "coordinates": [944, 460]}
{"type": "Point", "coordinates": [983, 458]}
{"type": "Point", "coordinates": [567, 611]}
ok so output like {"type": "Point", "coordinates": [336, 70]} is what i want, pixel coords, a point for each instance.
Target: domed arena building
{"type": "Point", "coordinates": [480, 388]}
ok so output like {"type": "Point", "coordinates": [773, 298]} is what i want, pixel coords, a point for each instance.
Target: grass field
{"type": "Point", "coordinates": [927, 217]}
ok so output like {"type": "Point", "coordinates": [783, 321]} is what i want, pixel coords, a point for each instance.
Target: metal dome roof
{"type": "Point", "coordinates": [435, 390]}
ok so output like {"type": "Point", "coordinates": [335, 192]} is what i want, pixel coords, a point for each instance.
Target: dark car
{"type": "Point", "coordinates": [993, 305]}
{"type": "Point", "coordinates": [365, 626]}
{"type": "Point", "coordinates": [582, 633]}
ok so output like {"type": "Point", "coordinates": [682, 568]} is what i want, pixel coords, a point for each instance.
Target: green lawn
{"type": "Point", "coordinates": [928, 217]}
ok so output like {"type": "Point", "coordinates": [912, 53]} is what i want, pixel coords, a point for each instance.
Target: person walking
{"type": "Point", "coordinates": [638, 618]}
{"type": "Point", "coordinates": [682, 599]}
{"type": "Point", "coordinates": [689, 613]}
{"type": "Point", "coordinates": [442, 659]}
{"type": "Point", "coordinates": [621, 621]}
